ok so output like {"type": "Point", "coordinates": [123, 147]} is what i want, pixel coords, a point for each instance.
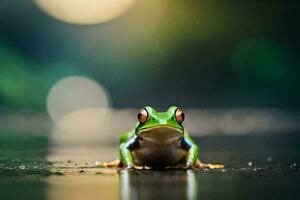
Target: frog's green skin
{"type": "Point", "coordinates": [158, 142]}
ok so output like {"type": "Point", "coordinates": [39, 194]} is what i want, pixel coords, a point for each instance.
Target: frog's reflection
{"type": "Point", "coordinates": [148, 184]}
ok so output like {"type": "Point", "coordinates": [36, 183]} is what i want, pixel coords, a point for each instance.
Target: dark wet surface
{"type": "Point", "coordinates": [213, 185]}
{"type": "Point", "coordinates": [256, 167]}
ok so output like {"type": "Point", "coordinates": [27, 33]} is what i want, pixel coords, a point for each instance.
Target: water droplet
{"type": "Point", "coordinates": [269, 159]}
{"type": "Point", "coordinates": [21, 167]}
{"type": "Point", "coordinates": [293, 165]}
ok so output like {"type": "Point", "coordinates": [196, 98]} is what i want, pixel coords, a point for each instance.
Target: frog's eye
{"type": "Point", "coordinates": [179, 115]}
{"type": "Point", "coordinates": [142, 116]}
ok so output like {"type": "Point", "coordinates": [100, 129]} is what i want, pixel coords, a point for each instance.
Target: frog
{"type": "Point", "coordinates": [158, 141]}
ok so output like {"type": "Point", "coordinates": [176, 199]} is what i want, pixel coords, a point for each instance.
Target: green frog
{"type": "Point", "coordinates": [159, 140]}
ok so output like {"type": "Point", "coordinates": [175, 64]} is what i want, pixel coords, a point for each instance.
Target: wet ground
{"type": "Point", "coordinates": [256, 167]}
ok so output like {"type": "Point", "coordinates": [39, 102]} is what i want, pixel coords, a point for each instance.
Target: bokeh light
{"type": "Point", "coordinates": [85, 11]}
{"type": "Point", "coordinates": [17, 80]}
{"type": "Point", "coordinates": [78, 104]}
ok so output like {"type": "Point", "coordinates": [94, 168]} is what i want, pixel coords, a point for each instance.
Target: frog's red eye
{"type": "Point", "coordinates": [179, 115]}
{"type": "Point", "coordinates": [142, 116]}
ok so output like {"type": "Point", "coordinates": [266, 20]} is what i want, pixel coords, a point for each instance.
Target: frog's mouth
{"type": "Point", "coordinates": [161, 134]}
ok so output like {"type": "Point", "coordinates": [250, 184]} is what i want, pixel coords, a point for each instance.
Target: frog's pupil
{"type": "Point", "coordinates": [182, 116]}
{"type": "Point", "coordinates": [139, 116]}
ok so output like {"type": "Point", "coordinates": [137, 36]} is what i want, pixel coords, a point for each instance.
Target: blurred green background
{"type": "Point", "coordinates": [232, 66]}
{"type": "Point", "coordinates": [190, 53]}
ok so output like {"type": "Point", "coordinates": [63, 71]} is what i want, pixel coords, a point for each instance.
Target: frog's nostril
{"type": "Point", "coordinates": [164, 122]}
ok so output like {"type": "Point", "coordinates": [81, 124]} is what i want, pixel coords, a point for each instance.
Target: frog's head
{"type": "Point", "coordinates": [155, 125]}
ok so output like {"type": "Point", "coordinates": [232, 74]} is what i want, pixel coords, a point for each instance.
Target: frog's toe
{"type": "Point", "coordinates": [201, 165]}
{"type": "Point", "coordinates": [141, 167]}
{"type": "Point", "coordinates": [113, 164]}
{"type": "Point", "coordinates": [188, 166]}
{"type": "Point", "coordinates": [212, 166]}
{"type": "Point", "coordinates": [218, 166]}
{"type": "Point", "coordinates": [138, 167]}
{"type": "Point", "coordinates": [100, 164]}
{"type": "Point", "coordinates": [128, 166]}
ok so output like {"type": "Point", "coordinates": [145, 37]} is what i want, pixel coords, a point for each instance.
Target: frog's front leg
{"type": "Point", "coordinates": [192, 152]}
{"type": "Point", "coordinates": [125, 157]}
{"type": "Point", "coordinates": [125, 152]}
{"type": "Point", "coordinates": [192, 160]}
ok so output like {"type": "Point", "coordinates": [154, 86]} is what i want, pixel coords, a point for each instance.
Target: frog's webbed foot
{"type": "Point", "coordinates": [134, 167]}
{"type": "Point", "coordinates": [141, 167]}
{"type": "Point", "coordinates": [200, 165]}
{"type": "Point", "coordinates": [113, 164]}
{"type": "Point", "coordinates": [119, 165]}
